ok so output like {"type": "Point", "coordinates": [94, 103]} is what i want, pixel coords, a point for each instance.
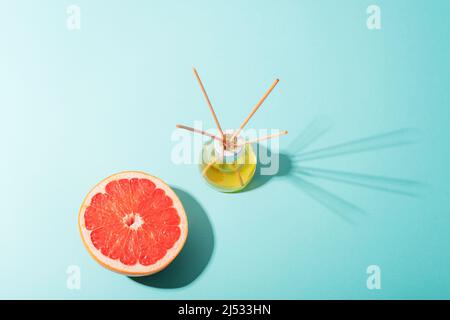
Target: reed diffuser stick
{"type": "Point", "coordinates": [208, 102]}
{"type": "Point", "coordinates": [240, 179]}
{"type": "Point", "coordinates": [255, 108]}
{"type": "Point", "coordinates": [208, 166]}
{"type": "Point", "coordinates": [270, 136]}
{"type": "Point", "coordinates": [181, 126]}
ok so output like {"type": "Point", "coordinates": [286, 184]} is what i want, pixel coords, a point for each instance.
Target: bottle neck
{"type": "Point", "coordinates": [229, 152]}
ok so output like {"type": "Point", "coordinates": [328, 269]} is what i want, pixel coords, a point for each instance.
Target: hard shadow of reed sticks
{"type": "Point", "coordinates": [388, 184]}
{"type": "Point", "coordinates": [291, 168]}
{"type": "Point", "coordinates": [292, 158]}
{"type": "Point", "coordinates": [386, 140]}
{"type": "Point", "coordinates": [196, 253]}
{"type": "Point", "coordinates": [313, 131]}
{"type": "Point", "coordinates": [343, 208]}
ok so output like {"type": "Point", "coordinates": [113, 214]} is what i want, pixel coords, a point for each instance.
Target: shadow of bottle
{"type": "Point", "coordinates": [285, 168]}
{"type": "Point", "coordinates": [195, 255]}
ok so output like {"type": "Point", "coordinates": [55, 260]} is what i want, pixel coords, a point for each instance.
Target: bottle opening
{"type": "Point", "coordinates": [229, 151]}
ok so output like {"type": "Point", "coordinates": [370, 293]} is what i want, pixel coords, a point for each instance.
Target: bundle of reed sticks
{"type": "Point", "coordinates": [222, 137]}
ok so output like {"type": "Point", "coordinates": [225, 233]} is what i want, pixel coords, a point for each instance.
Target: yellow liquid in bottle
{"type": "Point", "coordinates": [227, 176]}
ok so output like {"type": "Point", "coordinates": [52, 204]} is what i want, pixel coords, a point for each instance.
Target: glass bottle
{"type": "Point", "coordinates": [228, 167]}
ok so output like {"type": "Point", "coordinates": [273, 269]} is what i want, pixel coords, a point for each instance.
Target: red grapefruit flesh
{"type": "Point", "coordinates": [133, 223]}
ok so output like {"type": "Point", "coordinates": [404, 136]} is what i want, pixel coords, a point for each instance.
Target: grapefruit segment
{"type": "Point", "coordinates": [133, 223]}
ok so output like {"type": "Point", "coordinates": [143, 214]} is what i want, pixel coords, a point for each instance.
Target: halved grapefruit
{"type": "Point", "coordinates": [133, 223]}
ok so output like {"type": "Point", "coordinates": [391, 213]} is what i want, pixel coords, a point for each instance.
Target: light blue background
{"type": "Point", "coordinates": [77, 106]}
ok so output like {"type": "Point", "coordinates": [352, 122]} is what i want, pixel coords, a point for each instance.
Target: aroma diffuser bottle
{"type": "Point", "coordinates": [228, 162]}
{"type": "Point", "coordinates": [229, 166]}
